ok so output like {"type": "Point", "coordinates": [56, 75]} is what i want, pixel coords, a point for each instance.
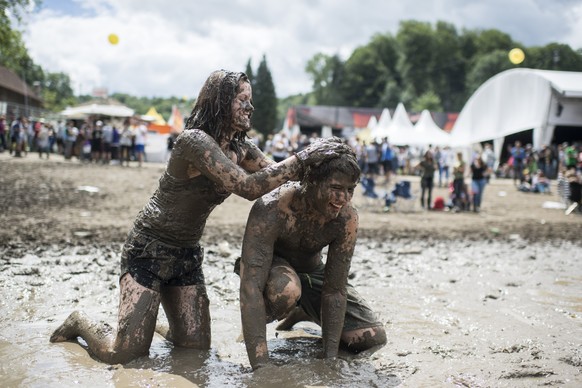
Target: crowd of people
{"type": "Point", "coordinates": [531, 170]}
{"type": "Point", "coordinates": [89, 141]}
{"type": "Point", "coordinates": [96, 141]}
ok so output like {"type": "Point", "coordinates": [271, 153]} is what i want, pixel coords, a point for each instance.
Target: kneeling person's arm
{"type": "Point", "coordinates": [333, 296]}
{"type": "Point", "coordinates": [256, 259]}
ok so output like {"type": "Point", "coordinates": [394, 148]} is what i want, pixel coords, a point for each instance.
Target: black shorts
{"type": "Point", "coordinates": [154, 264]}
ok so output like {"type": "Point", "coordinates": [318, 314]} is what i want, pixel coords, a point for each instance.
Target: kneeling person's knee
{"type": "Point", "coordinates": [282, 292]}
{"type": "Point", "coordinates": [372, 338]}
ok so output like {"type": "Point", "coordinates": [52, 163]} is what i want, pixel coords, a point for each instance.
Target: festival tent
{"type": "Point", "coordinates": [400, 131]}
{"type": "Point", "coordinates": [107, 107]}
{"type": "Point", "coordinates": [518, 100]}
{"type": "Point", "coordinates": [381, 129]}
{"type": "Point", "coordinates": [428, 133]}
{"type": "Point", "coordinates": [365, 135]}
{"type": "Point", "coordinates": [154, 117]}
{"type": "Point", "coordinates": [372, 123]}
{"type": "Point", "coordinates": [176, 121]}
{"type": "Point", "coordinates": [342, 120]}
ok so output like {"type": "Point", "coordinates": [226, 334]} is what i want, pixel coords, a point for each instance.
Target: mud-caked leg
{"type": "Point", "coordinates": [138, 307]}
{"type": "Point", "coordinates": [188, 313]}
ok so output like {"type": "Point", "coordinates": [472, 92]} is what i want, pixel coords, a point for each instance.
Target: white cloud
{"type": "Point", "coordinates": [168, 48]}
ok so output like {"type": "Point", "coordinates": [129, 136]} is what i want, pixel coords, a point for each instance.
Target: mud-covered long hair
{"type": "Point", "coordinates": [346, 162]}
{"type": "Point", "coordinates": [212, 112]}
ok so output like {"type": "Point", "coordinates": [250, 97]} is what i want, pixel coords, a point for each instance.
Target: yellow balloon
{"type": "Point", "coordinates": [113, 39]}
{"type": "Point", "coordinates": [516, 56]}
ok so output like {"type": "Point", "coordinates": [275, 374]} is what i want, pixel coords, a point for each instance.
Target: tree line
{"type": "Point", "coordinates": [424, 66]}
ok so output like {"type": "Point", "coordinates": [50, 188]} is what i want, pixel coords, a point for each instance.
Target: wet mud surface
{"type": "Point", "coordinates": [479, 300]}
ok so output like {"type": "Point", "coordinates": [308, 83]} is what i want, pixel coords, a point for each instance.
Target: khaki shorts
{"type": "Point", "coordinates": [358, 314]}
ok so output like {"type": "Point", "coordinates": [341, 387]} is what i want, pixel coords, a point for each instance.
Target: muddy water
{"type": "Point", "coordinates": [476, 314]}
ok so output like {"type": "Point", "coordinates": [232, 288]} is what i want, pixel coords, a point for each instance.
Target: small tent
{"type": "Point", "coordinates": [428, 133]}
{"type": "Point", "coordinates": [154, 117]}
{"type": "Point", "coordinates": [401, 131]}
{"type": "Point", "coordinates": [518, 100]}
{"type": "Point", "coordinates": [176, 121]}
{"type": "Point", "coordinates": [381, 129]}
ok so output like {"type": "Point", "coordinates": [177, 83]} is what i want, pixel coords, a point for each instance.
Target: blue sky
{"type": "Point", "coordinates": [168, 48]}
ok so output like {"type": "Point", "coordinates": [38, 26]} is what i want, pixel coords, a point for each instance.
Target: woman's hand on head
{"type": "Point", "coordinates": [322, 150]}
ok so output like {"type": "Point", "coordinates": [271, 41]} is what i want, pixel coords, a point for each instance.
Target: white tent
{"type": "Point", "coordinates": [106, 108]}
{"type": "Point", "coordinates": [517, 100]}
{"type": "Point", "coordinates": [401, 130]}
{"type": "Point", "coordinates": [427, 132]}
{"type": "Point", "coordinates": [372, 123]}
{"type": "Point", "coordinates": [381, 129]}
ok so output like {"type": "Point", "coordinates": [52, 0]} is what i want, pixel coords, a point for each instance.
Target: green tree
{"type": "Point", "coordinates": [56, 92]}
{"type": "Point", "coordinates": [429, 100]}
{"type": "Point", "coordinates": [368, 71]}
{"type": "Point", "coordinates": [13, 52]}
{"type": "Point", "coordinates": [249, 71]}
{"type": "Point", "coordinates": [326, 72]}
{"type": "Point", "coordinates": [553, 56]}
{"type": "Point", "coordinates": [264, 100]}
{"type": "Point", "coordinates": [447, 70]}
{"type": "Point", "coordinates": [416, 43]}
{"type": "Point", "coordinates": [391, 95]}
{"type": "Point", "coordinates": [486, 66]}
{"type": "Point", "coordinates": [493, 40]}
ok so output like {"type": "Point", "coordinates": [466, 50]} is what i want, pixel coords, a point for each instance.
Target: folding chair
{"type": "Point", "coordinates": [400, 198]}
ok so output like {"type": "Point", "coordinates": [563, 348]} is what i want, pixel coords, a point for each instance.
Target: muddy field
{"type": "Point", "coordinates": [480, 300]}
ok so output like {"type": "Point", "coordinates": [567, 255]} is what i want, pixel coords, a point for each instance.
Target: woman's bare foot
{"type": "Point", "coordinates": [68, 330]}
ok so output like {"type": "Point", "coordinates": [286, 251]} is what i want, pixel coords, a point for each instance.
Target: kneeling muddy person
{"type": "Point", "coordinates": [161, 260]}
{"type": "Point", "coordinates": [281, 268]}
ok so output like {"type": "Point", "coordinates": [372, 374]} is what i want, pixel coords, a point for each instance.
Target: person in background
{"type": "Point", "coordinates": [170, 144]}
{"type": "Point", "coordinates": [489, 159]}
{"type": "Point", "coordinates": [3, 145]}
{"type": "Point", "coordinates": [115, 146]}
{"type": "Point", "coordinates": [427, 167]}
{"type": "Point", "coordinates": [125, 142]}
{"type": "Point", "coordinates": [282, 272]}
{"type": "Point", "coordinates": [18, 135]}
{"type": "Point", "coordinates": [372, 159]}
{"type": "Point", "coordinates": [161, 260]}
{"type": "Point", "coordinates": [43, 140]}
{"type": "Point", "coordinates": [95, 134]}
{"type": "Point", "coordinates": [70, 139]}
{"type": "Point", "coordinates": [518, 156]}
{"type": "Point", "coordinates": [106, 143]}
{"type": "Point", "coordinates": [141, 132]}
{"type": "Point", "coordinates": [459, 182]}
{"type": "Point", "coordinates": [540, 183]}
{"type": "Point", "coordinates": [445, 161]}
{"type": "Point", "coordinates": [479, 173]}
{"type": "Point", "coordinates": [387, 157]}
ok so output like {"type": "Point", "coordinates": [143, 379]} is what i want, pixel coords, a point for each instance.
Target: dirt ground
{"type": "Point", "coordinates": [479, 300]}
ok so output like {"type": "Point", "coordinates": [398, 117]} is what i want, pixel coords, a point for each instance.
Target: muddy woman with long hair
{"type": "Point", "coordinates": [161, 261]}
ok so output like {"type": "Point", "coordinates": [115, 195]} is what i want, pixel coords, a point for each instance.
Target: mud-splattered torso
{"type": "Point", "coordinates": [177, 212]}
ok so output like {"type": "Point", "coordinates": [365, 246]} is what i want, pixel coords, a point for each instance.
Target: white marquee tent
{"type": "Point", "coordinates": [380, 130]}
{"type": "Point", "coordinates": [372, 123]}
{"type": "Point", "coordinates": [98, 108]}
{"type": "Point", "coordinates": [428, 133]}
{"type": "Point", "coordinates": [400, 131]}
{"type": "Point", "coordinates": [517, 100]}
